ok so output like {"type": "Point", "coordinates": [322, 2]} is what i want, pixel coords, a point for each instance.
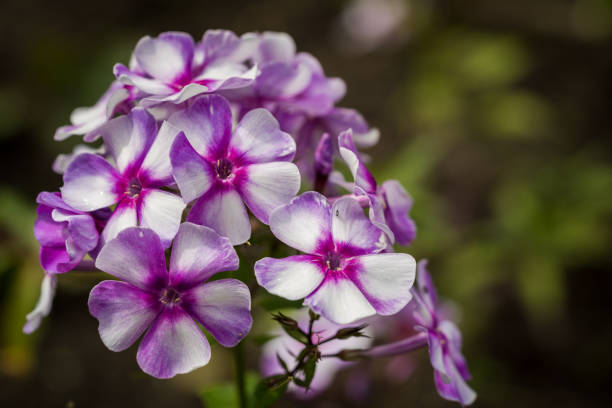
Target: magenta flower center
{"type": "Point", "coordinates": [224, 168]}
{"type": "Point", "coordinates": [170, 296]}
{"type": "Point", "coordinates": [134, 188]}
{"type": "Point", "coordinates": [333, 261]}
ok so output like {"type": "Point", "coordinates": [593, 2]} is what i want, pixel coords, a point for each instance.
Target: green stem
{"type": "Point", "coordinates": [240, 373]}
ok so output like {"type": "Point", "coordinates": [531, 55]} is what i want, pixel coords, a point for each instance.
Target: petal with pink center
{"type": "Point", "coordinates": [339, 300]}
{"type": "Point", "coordinates": [221, 209]}
{"type": "Point", "coordinates": [156, 169]}
{"type": "Point", "coordinates": [173, 345]}
{"type": "Point", "coordinates": [266, 186]}
{"type": "Point", "coordinates": [136, 256]}
{"type": "Point", "coordinates": [124, 216]}
{"type": "Point", "coordinates": [294, 277]}
{"type": "Point", "coordinates": [128, 139]}
{"type": "Point", "coordinates": [385, 280]}
{"type": "Point", "coordinates": [91, 183]}
{"type": "Point", "coordinates": [194, 175]}
{"type": "Point", "coordinates": [258, 139]}
{"type": "Point", "coordinates": [207, 123]}
{"type": "Point", "coordinates": [353, 233]}
{"type": "Point", "coordinates": [198, 253]}
{"type": "Point", "coordinates": [223, 307]}
{"type": "Point", "coordinates": [123, 311]}
{"type": "Point", "coordinates": [167, 57]}
{"type": "Point", "coordinates": [161, 211]}
{"type": "Point", "coordinates": [304, 223]}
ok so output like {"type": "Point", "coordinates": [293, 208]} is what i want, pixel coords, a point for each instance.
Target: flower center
{"type": "Point", "coordinates": [333, 261]}
{"type": "Point", "coordinates": [169, 296]}
{"type": "Point", "coordinates": [134, 188]}
{"type": "Point", "coordinates": [224, 168]}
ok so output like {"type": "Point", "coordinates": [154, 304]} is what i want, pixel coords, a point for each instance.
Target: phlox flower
{"type": "Point", "coordinates": [389, 203]}
{"type": "Point", "coordinates": [172, 68]}
{"type": "Point", "coordinates": [286, 347]}
{"type": "Point", "coordinates": [134, 183]}
{"type": "Point", "coordinates": [223, 168]}
{"type": "Point", "coordinates": [169, 304]}
{"type": "Point", "coordinates": [444, 339]}
{"type": "Point", "coordinates": [342, 274]}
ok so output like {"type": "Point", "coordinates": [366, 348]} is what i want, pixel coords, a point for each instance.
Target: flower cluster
{"type": "Point", "coordinates": [193, 147]}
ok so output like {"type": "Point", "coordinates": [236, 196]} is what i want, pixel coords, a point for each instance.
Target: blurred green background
{"type": "Point", "coordinates": [494, 114]}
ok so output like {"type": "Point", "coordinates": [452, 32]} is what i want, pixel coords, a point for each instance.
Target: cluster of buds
{"type": "Point", "coordinates": [195, 145]}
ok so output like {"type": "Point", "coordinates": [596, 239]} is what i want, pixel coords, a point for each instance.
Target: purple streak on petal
{"type": "Point", "coordinates": [265, 187]}
{"type": "Point", "coordinates": [156, 169]}
{"type": "Point", "coordinates": [91, 183]}
{"type": "Point", "coordinates": [149, 86]}
{"type": "Point", "coordinates": [43, 306]}
{"type": "Point", "coordinates": [194, 175]}
{"type": "Point", "coordinates": [124, 312]}
{"type": "Point", "coordinates": [304, 223]}
{"type": "Point", "coordinates": [281, 80]}
{"type": "Point", "coordinates": [377, 214]}
{"type": "Point", "coordinates": [47, 231]}
{"type": "Point", "coordinates": [363, 178]}
{"type": "Point", "coordinates": [223, 307]}
{"type": "Point", "coordinates": [294, 277]}
{"type": "Point", "coordinates": [427, 290]}
{"type": "Point", "coordinates": [218, 44]}
{"type": "Point", "coordinates": [173, 345]}
{"type": "Point", "coordinates": [222, 209]}
{"type": "Point", "coordinates": [274, 46]}
{"type": "Point", "coordinates": [129, 138]}
{"type": "Point", "coordinates": [353, 233]}
{"type": "Point", "coordinates": [398, 206]}
{"type": "Point", "coordinates": [207, 123]}
{"type": "Point", "coordinates": [54, 259]}
{"type": "Point", "coordinates": [161, 211]}
{"type": "Point", "coordinates": [197, 254]}
{"type": "Point", "coordinates": [324, 156]}
{"type": "Point", "coordinates": [258, 139]}
{"type": "Point", "coordinates": [167, 58]}
{"type": "Point", "coordinates": [136, 256]}
{"type": "Point", "coordinates": [385, 280]}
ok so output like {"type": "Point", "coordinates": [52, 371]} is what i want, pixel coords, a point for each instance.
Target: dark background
{"type": "Point", "coordinates": [494, 114]}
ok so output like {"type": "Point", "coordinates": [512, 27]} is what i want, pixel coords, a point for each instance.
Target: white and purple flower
{"type": "Point", "coordinates": [224, 168]}
{"type": "Point", "coordinates": [389, 203]}
{"type": "Point", "coordinates": [171, 68]}
{"type": "Point", "coordinates": [342, 276]}
{"type": "Point", "coordinates": [169, 304]}
{"type": "Point", "coordinates": [141, 169]}
{"type": "Point", "coordinates": [444, 339]}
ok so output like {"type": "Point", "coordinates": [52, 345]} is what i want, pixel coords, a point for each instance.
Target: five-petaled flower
{"type": "Point", "coordinates": [444, 339]}
{"type": "Point", "coordinates": [170, 304]}
{"type": "Point", "coordinates": [142, 168]}
{"type": "Point", "coordinates": [343, 276]}
{"type": "Point", "coordinates": [222, 168]}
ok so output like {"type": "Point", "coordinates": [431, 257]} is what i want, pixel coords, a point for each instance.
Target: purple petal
{"type": "Point", "coordinates": [82, 233]}
{"type": "Point", "coordinates": [293, 278]}
{"type": "Point", "coordinates": [156, 169]}
{"type": "Point", "coordinates": [453, 337]}
{"type": "Point", "coordinates": [62, 161]}
{"type": "Point", "coordinates": [194, 175]}
{"type": "Point", "coordinates": [55, 259]}
{"type": "Point", "coordinates": [304, 223]}
{"type": "Point", "coordinates": [128, 139]}
{"type": "Point", "coordinates": [353, 233]}
{"type": "Point", "coordinates": [186, 92]}
{"type": "Point", "coordinates": [398, 204]}
{"type": "Point", "coordinates": [198, 253]}
{"type": "Point", "coordinates": [385, 280]}
{"type": "Point", "coordinates": [427, 290]}
{"type": "Point", "coordinates": [223, 307]}
{"type": "Point", "coordinates": [363, 178]}
{"type": "Point", "coordinates": [218, 44]}
{"type": "Point", "coordinates": [452, 386]}
{"type": "Point", "coordinates": [264, 187]}
{"type": "Point", "coordinates": [47, 231]}
{"type": "Point", "coordinates": [124, 312]}
{"type": "Point", "coordinates": [258, 139]}
{"type": "Point", "coordinates": [162, 212]}
{"type": "Point", "coordinates": [339, 300]}
{"type": "Point", "coordinates": [43, 306]}
{"type": "Point", "coordinates": [91, 183]}
{"type": "Point", "coordinates": [167, 57]}
{"type": "Point", "coordinates": [207, 123]}
{"type": "Point", "coordinates": [173, 345]}
{"type": "Point", "coordinates": [324, 156]}
{"type": "Point", "coordinates": [274, 46]}
{"type": "Point", "coordinates": [147, 85]}
{"type": "Point", "coordinates": [221, 209]}
{"type": "Point", "coordinates": [281, 80]}
{"type": "Point", "coordinates": [136, 256]}
{"type": "Point", "coordinates": [124, 216]}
